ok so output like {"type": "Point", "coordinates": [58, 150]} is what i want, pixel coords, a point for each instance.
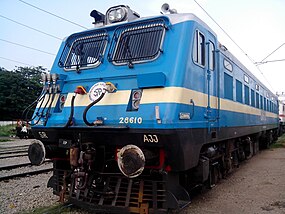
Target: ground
{"type": "Point", "coordinates": [258, 186]}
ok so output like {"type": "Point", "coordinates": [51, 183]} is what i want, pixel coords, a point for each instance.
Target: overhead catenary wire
{"type": "Point", "coordinates": [234, 43]}
{"type": "Point", "coordinates": [35, 49]}
{"type": "Point", "coordinates": [265, 78]}
{"type": "Point", "coordinates": [11, 60]}
{"type": "Point", "coordinates": [264, 62]}
{"type": "Point", "coordinates": [271, 54]}
{"type": "Point", "coordinates": [45, 11]}
{"type": "Point", "coordinates": [4, 17]}
{"type": "Point", "coordinates": [225, 32]}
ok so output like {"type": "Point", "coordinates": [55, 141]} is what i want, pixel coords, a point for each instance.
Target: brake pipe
{"type": "Point", "coordinates": [79, 90]}
{"type": "Point", "coordinates": [68, 123]}
{"type": "Point", "coordinates": [53, 93]}
{"type": "Point", "coordinates": [41, 100]}
{"type": "Point", "coordinates": [87, 109]}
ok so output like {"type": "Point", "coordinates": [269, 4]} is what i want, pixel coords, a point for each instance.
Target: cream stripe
{"type": "Point", "coordinates": [167, 95]}
{"type": "Point", "coordinates": [118, 98]}
{"type": "Point", "coordinates": [173, 95]}
{"type": "Point", "coordinates": [46, 99]}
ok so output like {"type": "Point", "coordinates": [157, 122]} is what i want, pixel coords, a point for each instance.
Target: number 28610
{"type": "Point", "coordinates": [131, 120]}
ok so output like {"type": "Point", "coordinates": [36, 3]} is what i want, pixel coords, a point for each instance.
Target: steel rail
{"type": "Point", "coordinates": [34, 172]}
{"type": "Point", "coordinates": [9, 167]}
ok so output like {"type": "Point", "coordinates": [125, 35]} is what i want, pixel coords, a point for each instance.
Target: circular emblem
{"type": "Point", "coordinates": [97, 90]}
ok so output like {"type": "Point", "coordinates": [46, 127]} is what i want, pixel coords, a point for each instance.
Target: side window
{"type": "Point", "coordinates": [257, 100]}
{"type": "Point", "coordinates": [228, 65]}
{"type": "Point", "coordinates": [211, 56]}
{"type": "Point", "coordinates": [252, 97]}
{"type": "Point", "coordinates": [261, 102]}
{"type": "Point", "coordinates": [264, 104]}
{"type": "Point", "coordinates": [246, 95]}
{"type": "Point", "coordinates": [238, 91]}
{"type": "Point", "coordinates": [199, 48]}
{"type": "Point", "coordinates": [228, 86]}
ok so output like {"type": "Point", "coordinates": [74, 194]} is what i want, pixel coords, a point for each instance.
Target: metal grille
{"type": "Point", "coordinates": [83, 50]}
{"type": "Point", "coordinates": [123, 194]}
{"type": "Point", "coordinates": [137, 42]}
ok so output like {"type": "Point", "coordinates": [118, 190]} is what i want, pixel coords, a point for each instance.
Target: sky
{"type": "Point", "coordinates": [256, 26]}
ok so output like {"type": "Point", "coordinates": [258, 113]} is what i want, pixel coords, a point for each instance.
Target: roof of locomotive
{"type": "Point", "coordinates": [177, 18]}
{"type": "Point", "coordinates": [183, 17]}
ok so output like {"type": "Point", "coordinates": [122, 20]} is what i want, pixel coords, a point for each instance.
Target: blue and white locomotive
{"type": "Point", "coordinates": [138, 111]}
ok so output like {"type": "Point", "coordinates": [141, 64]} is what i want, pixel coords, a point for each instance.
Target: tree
{"type": "Point", "coordinates": [18, 89]}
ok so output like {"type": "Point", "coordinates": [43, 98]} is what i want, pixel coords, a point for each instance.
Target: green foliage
{"type": "Point", "coordinates": [54, 209]}
{"type": "Point", "coordinates": [18, 89]}
{"type": "Point", "coordinates": [6, 131]}
{"type": "Point", "coordinates": [280, 143]}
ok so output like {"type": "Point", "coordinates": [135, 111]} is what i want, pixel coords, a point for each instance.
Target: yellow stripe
{"type": "Point", "coordinates": [167, 95]}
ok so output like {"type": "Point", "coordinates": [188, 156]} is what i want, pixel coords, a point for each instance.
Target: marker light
{"type": "Point", "coordinates": [62, 100]}
{"type": "Point", "coordinates": [136, 98]}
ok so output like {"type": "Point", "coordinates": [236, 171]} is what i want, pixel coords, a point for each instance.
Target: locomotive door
{"type": "Point", "coordinates": [212, 80]}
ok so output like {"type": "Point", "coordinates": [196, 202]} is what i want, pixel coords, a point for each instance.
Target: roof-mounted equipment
{"type": "Point", "coordinates": [166, 9]}
{"type": "Point", "coordinates": [120, 13]}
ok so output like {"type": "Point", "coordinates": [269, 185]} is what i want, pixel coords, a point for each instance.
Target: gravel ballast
{"type": "Point", "coordinates": [26, 193]}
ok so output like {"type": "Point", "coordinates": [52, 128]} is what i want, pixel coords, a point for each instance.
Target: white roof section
{"type": "Point", "coordinates": [182, 17]}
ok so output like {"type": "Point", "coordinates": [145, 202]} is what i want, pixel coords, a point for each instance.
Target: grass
{"type": "Point", "coordinates": [53, 209]}
{"type": "Point", "coordinates": [6, 131]}
{"type": "Point", "coordinates": [280, 143]}
{"type": "Point", "coordinates": [4, 140]}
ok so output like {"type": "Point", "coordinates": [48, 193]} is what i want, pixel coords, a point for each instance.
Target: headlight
{"type": "Point", "coordinates": [131, 161]}
{"type": "Point", "coordinates": [117, 14]}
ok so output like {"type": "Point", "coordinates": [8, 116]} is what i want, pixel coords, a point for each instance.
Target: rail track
{"type": "Point", "coordinates": [14, 156]}
{"type": "Point", "coordinates": [8, 151]}
{"type": "Point", "coordinates": [18, 167]}
{"type": "Point", "coordinates": [23, 169]}
{"type": "Point", "coordinates": [9, 167]}
{"type": "Point", "coordinates": [13, 149]}
{"type": "Point", "coordinates": [24, 174]}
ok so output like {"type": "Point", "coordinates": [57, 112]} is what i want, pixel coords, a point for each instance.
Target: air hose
{"type": "Point", "coordinates": [68, 123]}
{"type": "Point", "coordinates": [79, 90]}
{"type": "Point", "coordinates": [36, 114]}
{"type": "Point", "coordinates": [102, 88]}
{"type": "Point", "coordinates": [29, 107]}
{"type": "Point", "coordinates": [87, 109]}
{"type": "Point", "coordinates": [49, 107]}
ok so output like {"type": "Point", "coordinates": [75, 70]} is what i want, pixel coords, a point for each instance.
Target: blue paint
{"type": "Point", "coordinates": [174, 67]}
{"type": "Point", "coordinates": [151, 80]}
